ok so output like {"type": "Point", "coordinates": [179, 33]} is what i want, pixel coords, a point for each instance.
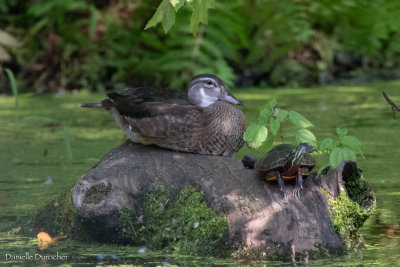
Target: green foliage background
{"type": "Point", "coordinates": [53, 44]}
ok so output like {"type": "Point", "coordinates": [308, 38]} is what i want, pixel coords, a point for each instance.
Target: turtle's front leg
{"type": "Point", "coordinates": [299, 182]}
{"type": "Point", "coordinates": [282, 185]}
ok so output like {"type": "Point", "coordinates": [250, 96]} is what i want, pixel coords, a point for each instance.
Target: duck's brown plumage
{"type": "Point", "coordinates": [166, 118]}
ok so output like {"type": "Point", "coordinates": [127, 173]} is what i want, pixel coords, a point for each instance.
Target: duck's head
{"type": "Point", "coordinates": [206, 89]}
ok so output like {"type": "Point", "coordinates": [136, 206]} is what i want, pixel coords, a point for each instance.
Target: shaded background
{"type": "Point", "coordinates": [97, 45]}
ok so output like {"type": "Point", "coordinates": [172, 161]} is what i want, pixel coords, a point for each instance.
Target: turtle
{"type": "Point", "coordinates": [284, 162]}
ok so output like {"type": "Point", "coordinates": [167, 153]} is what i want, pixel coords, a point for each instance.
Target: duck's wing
{"type": "Point", "coordinates": [161, 120]}
{"type": "Point", "coordinates": [147, 94]}
{"type": "Point", "coordinates": [140, 95]}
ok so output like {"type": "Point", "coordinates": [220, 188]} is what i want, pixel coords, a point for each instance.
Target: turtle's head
{"type": "Point", "coordinates": [305, 148]}
{"type": "Point", "coordinates": [206, 89]}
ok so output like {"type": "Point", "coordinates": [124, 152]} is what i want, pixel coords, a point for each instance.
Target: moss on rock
{"type": "Point", "coordinates": [185, 225]}
{"type": "Point", "coordinates": [59, 218]}
{"type": "Point", "coordinates": [97, 193]}
{"type": "Point", "coordinates": [347, 216]}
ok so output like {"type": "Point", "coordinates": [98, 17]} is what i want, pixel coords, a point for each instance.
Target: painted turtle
{"type": "Point", "coordinates": [284, 162]}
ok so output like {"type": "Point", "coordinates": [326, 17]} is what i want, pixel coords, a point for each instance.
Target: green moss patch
{"type": "Point", "coordinates": [59, 218]}
{"type": "Point", "coordinates": [96, 193]}
{"type": "Point", "coordinates": [185, 225]}
{"type": "Point", "coordinates": [347, 216]}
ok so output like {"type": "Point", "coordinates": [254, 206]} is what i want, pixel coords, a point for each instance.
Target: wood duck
{"type": "Point", "coordinates": [205, 121]}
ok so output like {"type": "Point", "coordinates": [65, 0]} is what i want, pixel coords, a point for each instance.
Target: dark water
{"type": "Point", "coordinates": [49, 138]}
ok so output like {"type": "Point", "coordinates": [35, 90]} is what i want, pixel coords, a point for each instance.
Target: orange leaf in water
{"type": "Point", "coordinates": [44, 237]}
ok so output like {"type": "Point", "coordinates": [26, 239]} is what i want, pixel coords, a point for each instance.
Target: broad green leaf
{"type": "Point", "coordinates": [195, 18]}
{"type": "Point", "coordinates": [299, 120]}
{"type": "Point", "coordinates": [200, 14]}
{"type": "Point", "coordinates": [177, 4]}
{"type": "Point", "coordinates": [272, 103]}
{"type": "Point", "coordinates": [274, 125]}
{"type": "Point", "coordinates": [327, 144]}
{"type": "Point", "coordinates": [265, 113]}
{"type": "Point", "coordinates": [282, 115]}
{"type": "Point", "coordinates": [165, 14]}
{"type": "Point", "coordinates": [169, 18]}
{"type": "Point", "coordinates": [305, 136]}
{"type": "Point", "coordinates": [255, 135]}
{"type": "Point", "coordinates": [341, 131]}
{"type": "Point", "coordinates": [210, 3]}
{"type": "Point", "coordinates": [339, 154]}
{"type": "Point", "coordinates": [203, 12]}
{"type": "Point", "coordinates": [353, 143]}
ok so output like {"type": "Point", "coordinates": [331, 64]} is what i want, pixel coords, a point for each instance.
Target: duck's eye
{"type": "Point", "coordinates": [209, 82]}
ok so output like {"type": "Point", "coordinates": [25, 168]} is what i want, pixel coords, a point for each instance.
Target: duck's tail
{"type": "Point", "coordinates": [106, 103]}
{"type": "Point", "coordinates": [249, 161]}
{"type": "Point", "coordinates": [92, 105]}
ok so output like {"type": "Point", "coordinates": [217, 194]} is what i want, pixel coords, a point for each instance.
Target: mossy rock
{"type": "Point", "coordinates": [207, 205]}
{"type": "Point", "coordinates": [184, 225]}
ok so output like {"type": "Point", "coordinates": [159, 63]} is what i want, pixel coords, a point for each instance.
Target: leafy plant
{"type": "Point", "coordinates": [344, 148]}
{"type": "Point", "coordinates": [166, 13]}
{"type": "Point", "coordinates": [272, 117]}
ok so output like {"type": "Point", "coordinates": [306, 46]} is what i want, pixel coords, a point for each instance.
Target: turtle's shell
{"type": "Point", "coordinates": [276, 158]}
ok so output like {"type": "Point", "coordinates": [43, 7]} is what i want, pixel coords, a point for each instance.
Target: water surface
{"type": "Point", "coordinates": [49, 142]}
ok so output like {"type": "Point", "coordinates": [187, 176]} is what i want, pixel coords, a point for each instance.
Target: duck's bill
{"type": "Point", "coordinates": [228, 97]}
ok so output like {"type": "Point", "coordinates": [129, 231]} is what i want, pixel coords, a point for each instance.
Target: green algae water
{"type": "Point", "coordinates": [48, 142]}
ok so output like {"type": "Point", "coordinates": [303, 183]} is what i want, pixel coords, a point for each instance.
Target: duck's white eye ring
{"type": "Point", "coordinates": [209, 82]}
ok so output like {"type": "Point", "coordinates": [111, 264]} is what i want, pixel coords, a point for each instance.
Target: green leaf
{"type": "Point", "coordinates": [272, 103]}
{"type": "Point", "coordinates": [299, 120]}
{"type": "Point", "coordinates": [274, 125]}
{"type": "Point", "coordinates": [341, 131]}
{"type": "Point", "coordinates": [327, 144]}
{"type": "Point", "coordinates": [210, 3]}
{"type": "Point", "coordinates": [195, 18]}
{"type": "Point", "coordinates": [305, 136]}
{"type": "Point", "coordinates": [282, 115]}
{"type": "Point", "coordinates": [265, 113]}
{"type": "Point", "coordinates": [353, 143]}
{"type": "Point", "coordinates": [339, 154]}
{"type": "Point", "coordinates": [177, 4]}
{"type": "Point", "coordinates": [255, 135]}
{"type": "Point", "coordinates": [169, 18]}
{"type": "Point", "coordinates": [165, 14]}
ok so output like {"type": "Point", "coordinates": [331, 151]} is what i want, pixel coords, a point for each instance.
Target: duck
{"type": "Point", "coordinates": [205, 121]}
